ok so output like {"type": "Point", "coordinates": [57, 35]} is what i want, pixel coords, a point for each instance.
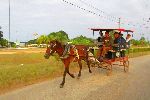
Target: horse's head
{"type": "Point", "coordinates": [51, 48]}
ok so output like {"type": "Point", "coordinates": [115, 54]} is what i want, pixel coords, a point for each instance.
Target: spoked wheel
{"type": "Point", "coordinates": [126, 66]}
{"type": "Point", "coordinates": [109, 69]}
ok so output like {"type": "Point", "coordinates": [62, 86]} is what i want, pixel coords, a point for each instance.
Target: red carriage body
{"type": "Point", "coordinates": [107, 63]}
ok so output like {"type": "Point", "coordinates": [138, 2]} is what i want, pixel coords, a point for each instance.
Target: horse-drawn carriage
{"type": "Point", "coordinates": [108, 52]}
{"type": "Point", "coordinates": [112, 49]}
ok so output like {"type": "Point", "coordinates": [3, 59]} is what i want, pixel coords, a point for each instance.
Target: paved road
{"type": "Point", "coordinates": [134, 85]}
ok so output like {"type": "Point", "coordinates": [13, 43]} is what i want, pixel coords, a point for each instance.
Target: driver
{"type": "Point", "coordinates": [108, 41]}
{"type": "Point", "coordinates": [107, 44]}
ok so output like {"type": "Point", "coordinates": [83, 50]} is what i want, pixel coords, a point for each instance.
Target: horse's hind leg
{"type": "Point", "coordinates": [80, 65]}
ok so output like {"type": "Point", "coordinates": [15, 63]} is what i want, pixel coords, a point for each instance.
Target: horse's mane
{"type": "Point", "coordinates": [59, 44]}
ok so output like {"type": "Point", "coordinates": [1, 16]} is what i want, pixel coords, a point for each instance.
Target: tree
{"type": "Point", "coordinates": [3, 42]}
{"type": "Point", "coordinates": [32, 41]}
{"type": "Point", "coordinates": [60, 36]}
{"type": "Point", "coordinates": [43, 39]}
{"type": "Point", "coordinates": [1, 34]}
{"type": "Point", "coordinates": [142, 39]}
{"type": "Point", "coordinates": [82, 40]}
{"type": "Point", "coordinates": [135, 42]}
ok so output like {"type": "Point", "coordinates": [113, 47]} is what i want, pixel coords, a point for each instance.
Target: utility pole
{"type": "Point", "coordinates": [119, 23]}
{"type": "Point", "coordinates": [9, 26]}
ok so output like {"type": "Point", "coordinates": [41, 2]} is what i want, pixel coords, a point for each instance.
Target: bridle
{"type": "Point", "coordinates": [50, 49]}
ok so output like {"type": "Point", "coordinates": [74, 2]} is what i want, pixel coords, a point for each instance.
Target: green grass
{"type": "Point", "coordinates": [17, 70]}
{"type": "Point", "coordinates": [23, 68]}
{"type": "Point", "coordinates": [139, 51]}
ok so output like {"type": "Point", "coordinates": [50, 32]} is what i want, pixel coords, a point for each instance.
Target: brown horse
{"type": "Point", "coordinates": [56, 47]}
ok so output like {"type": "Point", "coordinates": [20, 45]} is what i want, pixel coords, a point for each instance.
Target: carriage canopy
{"type": "Point", "coordinates": [102, 29]}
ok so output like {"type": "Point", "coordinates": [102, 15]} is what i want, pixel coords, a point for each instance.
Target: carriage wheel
{"type": "Point", "coordinates": [109, 70]}
{"type": "Point", "coordinates": [126, 66]}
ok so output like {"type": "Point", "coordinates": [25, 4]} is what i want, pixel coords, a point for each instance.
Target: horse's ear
{"type": "Point", "coordinates": [56, 41]}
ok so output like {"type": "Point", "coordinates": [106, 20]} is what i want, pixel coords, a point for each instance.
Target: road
{"type": "Point", "coordinates": [134, 85]}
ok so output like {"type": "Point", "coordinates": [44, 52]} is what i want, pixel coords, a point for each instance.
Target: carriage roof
{"type": "Point", "coordinates": [121, 30]}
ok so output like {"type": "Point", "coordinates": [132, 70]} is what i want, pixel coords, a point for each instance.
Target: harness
{"type": "Point", "coordinates": [71, 50]}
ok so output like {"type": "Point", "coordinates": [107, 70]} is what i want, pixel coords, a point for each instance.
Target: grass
{"type": "Point", "coordinates": [24, 69]}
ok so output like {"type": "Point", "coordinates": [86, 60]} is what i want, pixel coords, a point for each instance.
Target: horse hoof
{"type": "Point", "coordinates": [72, 76]}
{"type": "Point", "coordinates": [61, 86]}
{"type": "Point", "coordinates": [90, 71]}
{"type": "Point", "coordinates": [78, 77]}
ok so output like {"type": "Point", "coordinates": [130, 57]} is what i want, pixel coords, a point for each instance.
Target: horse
{"type": "Point", "coordinates": [82, 51]}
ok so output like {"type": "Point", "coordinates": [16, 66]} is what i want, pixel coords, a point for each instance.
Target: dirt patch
{"type": "Point", "coordinates": [4, 53]}
{"type": "Point", "coordinates": [21, 51]}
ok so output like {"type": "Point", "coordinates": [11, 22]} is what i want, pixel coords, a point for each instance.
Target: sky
{"type": "Point", "coordinates": [46, 16]}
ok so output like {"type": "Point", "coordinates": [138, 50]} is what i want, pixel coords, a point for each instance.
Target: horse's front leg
{"type": "Point", "coordinates": [80, 65]}
{"type": "Point", "coordinates": [72, 75]}
{"type": "Point", "coordinates": [64, 76]}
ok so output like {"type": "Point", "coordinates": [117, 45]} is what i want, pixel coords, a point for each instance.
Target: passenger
{"type": "Point", "coordinates": [128, 39]}
{"type": "Point", "coordinates": [117, 41]}
{"type": "Point", "coordinates": [100, 39]}
{"type": "Point", "coordinates": [122, 41]}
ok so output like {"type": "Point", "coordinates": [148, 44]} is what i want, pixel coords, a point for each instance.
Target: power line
{"type": "Point", "coordinates": [92, 12]}
{"type": "Point", "coordinates": [107, 16]}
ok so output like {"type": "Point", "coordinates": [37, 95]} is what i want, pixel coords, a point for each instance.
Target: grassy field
{"type": "Point", "coordinates": [19, 68]}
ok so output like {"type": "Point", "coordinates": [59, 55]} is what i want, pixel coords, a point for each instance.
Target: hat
{"type": "Point", "coordinates": [116, 31]}
{"type": "Point", "coordinates": [128, 35]}
{"type": "Point", "coordinates": [106, 32]}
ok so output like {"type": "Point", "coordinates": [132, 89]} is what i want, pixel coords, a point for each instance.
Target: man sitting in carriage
{"type": "Point", "coordinates": [117, 41]}
{"type": "Point", "coordinates": [106, 46]}
{"type": "Point", "coordinates": [128, 39]}
{"type": "Point", "coordinates": [122, 41]}
{"type": "Point", "coordinates": [100, 39]}
{"type": "Point", "coordinates": [119, 44]}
